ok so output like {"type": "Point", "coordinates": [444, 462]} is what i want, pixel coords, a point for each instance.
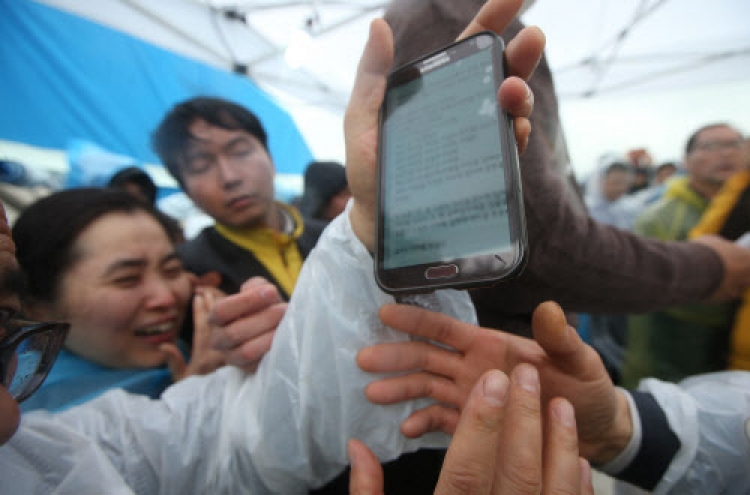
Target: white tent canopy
{"type": "Point", "coordinates": [619, 60]}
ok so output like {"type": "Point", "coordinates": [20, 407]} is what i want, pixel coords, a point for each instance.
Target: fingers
{"type": "Point", "coordinates": [522, 128]}
{"type": "Point", "coordinates": [361, 129]}
{"type": "Point", "coordinates": [520, 453]}
{"type": "Point", "coordinates": [470, 463]}
{"type": "Point", "coordinates": [495, 16]}
{"type": "Point", "coordinates": [562, 472]}
{"type": "Point", "coordinates": [415, 386]}
{"type": "Point", "coordinates": [175, 361]}
{"type": "Point", "coordinates": [407, 356]}
{"type": "Point", "coordinates": [208, 279]}
{"type": "Point", "coordinates": [524, 51]}
{"type": "Point", "coordinates": [517, 99]}
{"type": "Point", "coordinates": [430, 325]}
{"type": "Point", "coordinates": [367, 475]}
{"type": "Point", "coordinates": [436, 417]}
{"type": "Point", "coordinates": [248, 355]}
{"type": "Point", "coordinates": [204, 300]}
{"type": "Point", "coordinates": [587, 482]}
{"type": "Point", "coordinates": [369, 83]}
{"type": "Point", "coordinates": [256, 295]}
{"type": "Point", "coordinates": [253, 282]}
{"type": "Point", "coordinates": [559, 340]}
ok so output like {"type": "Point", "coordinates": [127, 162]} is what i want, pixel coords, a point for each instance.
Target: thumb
{"type": "Point", "coordinates": [175, 361]}
{"type": "Point", "coordinates": [558, 339]}
{"type": "Point", "coordinates": [367, 475]}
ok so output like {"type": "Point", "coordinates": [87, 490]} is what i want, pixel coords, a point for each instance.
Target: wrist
{"type": "Point", "coordinates": [617, 438]}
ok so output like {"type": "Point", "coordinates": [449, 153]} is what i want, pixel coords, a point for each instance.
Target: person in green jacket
{"type": "Point", "coordinates": [693, 338]}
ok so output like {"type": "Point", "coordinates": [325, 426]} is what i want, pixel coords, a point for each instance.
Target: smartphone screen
{"type": "Point", "coordinates": [450, 212]}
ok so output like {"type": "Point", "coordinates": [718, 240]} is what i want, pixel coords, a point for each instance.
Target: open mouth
{"type": "Point", "coordinates": [162, 329]}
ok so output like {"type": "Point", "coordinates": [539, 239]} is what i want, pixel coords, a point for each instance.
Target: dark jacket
{"type": "Point", "coordinates": [210, 251]}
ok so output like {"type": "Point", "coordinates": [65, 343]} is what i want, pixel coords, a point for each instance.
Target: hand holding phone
{"type": "Point", "coordinates": [450, 212]}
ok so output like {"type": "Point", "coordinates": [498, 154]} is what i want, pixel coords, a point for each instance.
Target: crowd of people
{"type": "Point", "coordinates": [261, 356]}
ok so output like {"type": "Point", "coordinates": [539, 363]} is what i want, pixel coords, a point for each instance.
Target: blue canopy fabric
{"type": "Point", "coordinates": [67, 78]}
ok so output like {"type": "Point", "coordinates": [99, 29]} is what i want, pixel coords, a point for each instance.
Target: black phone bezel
{"type": "Point", "coordinates": [413, 279]}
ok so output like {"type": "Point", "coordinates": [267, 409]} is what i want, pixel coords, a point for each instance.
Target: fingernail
{"type": "Point", "coordinates": [528, 378]}
{"type": "Point", "coordinates": [495, 388]}
{"type": "Point", "coordinates": [268, 292]}
{"type": "Point", "coordinates": [529, 97]}
{"type": "Point", "coordinates": [565, 413]}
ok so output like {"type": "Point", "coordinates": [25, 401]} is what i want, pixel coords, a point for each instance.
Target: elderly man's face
{"type": "Point", "coordinates": [9, 412]}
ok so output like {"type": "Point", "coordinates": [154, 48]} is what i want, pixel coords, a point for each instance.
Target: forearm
{"type": "Point", "coordinates": [587, 266]}
{"type": "Point", "coordinates": [311, 388]}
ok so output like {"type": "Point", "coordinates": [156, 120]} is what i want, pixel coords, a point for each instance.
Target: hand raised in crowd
{"type": "Point", "coordinates": [203, 358]}
{"type": "Point", "coordinates": [567, 367]}
{"type": "Point", "coordinates": [243, 325]}
{"type": "Point", "coordinates": [502, 444]}
{"type": "Point", "coordinates": [522, 55]}
{"type": "Point", "coordinates": [736, 261]}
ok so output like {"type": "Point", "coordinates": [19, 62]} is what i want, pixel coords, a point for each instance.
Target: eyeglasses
{"type": "Point", "coordinates": [734, 145]}
{"type": "Point", "coordinates": [27, 352]}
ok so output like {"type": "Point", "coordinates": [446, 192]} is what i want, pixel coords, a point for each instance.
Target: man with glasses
{"type": "Point", "coordinates": [677, 342]}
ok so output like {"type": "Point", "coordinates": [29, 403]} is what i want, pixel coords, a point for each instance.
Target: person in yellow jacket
{"type": "Point", "coordinates": [729, 216]}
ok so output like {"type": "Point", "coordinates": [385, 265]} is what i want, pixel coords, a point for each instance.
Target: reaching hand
{"type": "Point", "coordinates": [203, 358]}
{"type": "Point", "coordinates": [736, 261]}
{"type": "Point", "coordinates": [522, 55]}
{"type": "Point", "coordinates": [243, 324]}
{"type": "Point", "coordinates": [502, 444]}
{"type": "Point", "coordinates": [568, 368]}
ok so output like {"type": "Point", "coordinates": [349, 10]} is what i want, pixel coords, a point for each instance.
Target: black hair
{"type": "Point", "coordinates": [46, 231]}
{"type": "Point", "coordinates": [617, 167]}
{"type": "Point", "coordinates": [134, 175]}
{"type": "Point", "coordinates": [691, 143]}
{"type": "Point", "coordinates": [170, 139]}
{"type": "Point", "coordinates": [323, 180]}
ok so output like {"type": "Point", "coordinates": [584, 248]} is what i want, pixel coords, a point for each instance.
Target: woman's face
{"type": "Point", "coordinates": [125, 294]}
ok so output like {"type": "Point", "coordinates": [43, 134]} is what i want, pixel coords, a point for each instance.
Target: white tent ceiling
{"type": "Point", "coordinates": [598, 49]}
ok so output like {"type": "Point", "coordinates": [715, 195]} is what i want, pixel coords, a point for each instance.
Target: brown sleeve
{"type": "Point", "coordinates": [591, 267]}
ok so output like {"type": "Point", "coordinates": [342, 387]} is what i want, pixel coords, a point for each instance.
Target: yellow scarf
{"type": "Point", "coordinates": [276, 251]}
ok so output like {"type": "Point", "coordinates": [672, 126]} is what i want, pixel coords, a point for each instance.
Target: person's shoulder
{"type": "Point", "coordinates": [198, 242]}
{"type": "Point", "coordinates": [314, 227]}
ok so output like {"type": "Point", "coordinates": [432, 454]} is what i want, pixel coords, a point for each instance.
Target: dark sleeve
{"type": "Point", "coordinates": [580, 263]}
{"type": "Point", "coordinates": [658, 447]}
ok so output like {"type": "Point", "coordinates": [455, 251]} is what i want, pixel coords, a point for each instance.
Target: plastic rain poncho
{"type": "Point", "coordinates": [710, 414]}
{"type": "Point", "coordinates": [282, 430]}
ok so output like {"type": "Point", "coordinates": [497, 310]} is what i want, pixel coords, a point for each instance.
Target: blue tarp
{"type": "Point", "coordinates": [64, 78]}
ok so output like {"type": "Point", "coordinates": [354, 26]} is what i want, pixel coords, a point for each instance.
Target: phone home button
{"type": "Point", "coordinates": [444, 271]}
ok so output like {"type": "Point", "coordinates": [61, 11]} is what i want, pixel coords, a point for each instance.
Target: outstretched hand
{"type": "Point", "coordinates": [567, 367]}
{"type": "Point", "coordinates": [244, 324]}
{"type": "Point", "coordinates": [522, 55]}
{"type": "Point", "coordinates": [203, 358]}
{"type": "Point", "coordinates": [503, 444]}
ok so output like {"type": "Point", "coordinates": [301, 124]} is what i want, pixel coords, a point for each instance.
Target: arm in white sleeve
{"type": "Point", "coordinates": [282, 430]}
{"type": "Point", "coordinates": [711, 416]}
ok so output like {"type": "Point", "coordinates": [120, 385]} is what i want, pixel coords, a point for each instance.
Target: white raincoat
{"type": "Point", "coordinates": [710, 414]}
{"type": "Point", "coordinates": [282, 430]}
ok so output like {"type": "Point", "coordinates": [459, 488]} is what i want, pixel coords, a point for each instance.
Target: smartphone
{"type": "Point", "coordinates": [450, 207]}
